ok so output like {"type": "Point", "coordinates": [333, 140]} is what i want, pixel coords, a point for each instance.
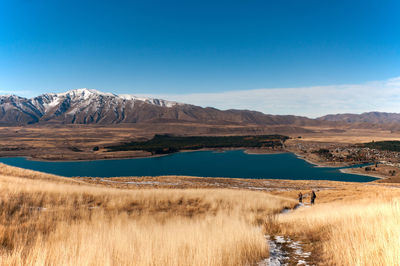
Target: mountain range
{"type": "Point", "coordinates": [86, 106]}
{"type": "Point", "coordinates": [369, 117]}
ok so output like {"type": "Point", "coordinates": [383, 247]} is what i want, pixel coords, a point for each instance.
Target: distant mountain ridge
{"type": "Point", "coordinates": [368, 117]}
{"type": "Point", "coordinates": [85, 106]}
{"type": "Point", "coordinates": [79, 106]}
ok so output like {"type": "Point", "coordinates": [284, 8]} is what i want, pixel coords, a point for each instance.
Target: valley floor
{"type": "Point", "coordinates": [50, 220]}
{"type": "Point", "coordinates": [87, 142]}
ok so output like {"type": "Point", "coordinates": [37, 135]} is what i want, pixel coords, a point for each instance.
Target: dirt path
{"type": "Point", "coordinates": [284, 250]}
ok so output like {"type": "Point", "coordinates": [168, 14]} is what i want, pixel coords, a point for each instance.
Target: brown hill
{"type": "Point", "coordinates": [370, 117]}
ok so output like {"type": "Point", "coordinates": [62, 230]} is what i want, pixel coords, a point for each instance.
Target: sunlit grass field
{"type": "Point", "coordinates": [49, 220]}
{"type": "Point", "coordinates": [64, 222]}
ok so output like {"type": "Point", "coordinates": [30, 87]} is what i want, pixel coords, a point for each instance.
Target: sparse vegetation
{"type": "Point", "coordinates": [323, 153]}
{"type": "Point", "coordinates": [384, 145]}
{"type": "Point", "coordinates": [75, 149]}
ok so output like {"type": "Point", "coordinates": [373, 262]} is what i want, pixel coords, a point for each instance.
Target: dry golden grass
{"type": "Point", "coordinates": [43, 222]}
{"type": "Point", "coordinates": [360, 230]}
{"type": "Point", "coordinates": [343, 193]}
{"type": "Point", "coordinates": [10, 171]}
{"type": "Point", "coordinates": [49, 220]}
{"type": "Point", "coordinates": [349, 135]}
{"type": "Point", "coordinates": [216, 240]}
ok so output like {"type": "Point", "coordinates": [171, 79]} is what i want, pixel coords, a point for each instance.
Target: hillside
{"type": "Point", "coordinates": [92, 107]}
{"type": "Point", "coordinates": [370, 117]}
{"type": "Point", "coordinates": [50, 220]}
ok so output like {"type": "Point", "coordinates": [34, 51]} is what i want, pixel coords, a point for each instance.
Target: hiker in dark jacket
{"type": "Point", "coordinates": [313, 196]}
{"type": "Point", "coordinates": [300, 197]}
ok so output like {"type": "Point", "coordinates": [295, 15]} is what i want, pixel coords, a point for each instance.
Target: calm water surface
{"type": "Point", "coordinates": [235, 164]}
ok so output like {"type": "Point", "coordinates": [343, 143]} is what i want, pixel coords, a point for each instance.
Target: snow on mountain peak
{"type": "Point", "coordinates": [81, 100]}
{"type": "Point", "coordinates": [11, 97]}
{"type": "Point", "coordinates": [149, 100]}
{"type": "Point", "coordinates": [85, 93]}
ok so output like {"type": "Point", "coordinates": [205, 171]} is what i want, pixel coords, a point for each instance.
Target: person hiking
{"type": "Point", "coordinates": [300, 197]}
{"type": "Point", "coordinates": [313, 196]}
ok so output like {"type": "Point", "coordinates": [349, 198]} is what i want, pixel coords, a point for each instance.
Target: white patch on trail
{"type": "Point", "coordinates": [302, 205]}
{"type": "Point", "coordinates": [277, 256]}
{"type": "Point", "coordinates": [283, 250]}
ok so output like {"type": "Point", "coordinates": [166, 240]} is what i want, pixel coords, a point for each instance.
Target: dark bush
{"type": "Point", "coordinates": [161, 144]}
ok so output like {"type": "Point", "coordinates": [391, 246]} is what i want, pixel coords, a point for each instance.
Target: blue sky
{"type": "Point", "coordinates": [183, 48]}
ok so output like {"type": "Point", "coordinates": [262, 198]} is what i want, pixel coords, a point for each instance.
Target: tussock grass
{"type": "Point", "coordinates": [216, 240]}
{"type": "Point", "coordinates": [48, 222]}
{"type": "Point", "coordinates": [362, 232]}
{"type": "Point", "coordinates": [6, 170]}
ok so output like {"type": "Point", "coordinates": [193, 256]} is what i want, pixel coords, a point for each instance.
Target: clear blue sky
{"type": "Point", "coordinates": [180, 47]}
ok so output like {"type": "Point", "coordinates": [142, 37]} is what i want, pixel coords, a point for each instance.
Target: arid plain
{"type": "Point", "coordinates": [77, 142]}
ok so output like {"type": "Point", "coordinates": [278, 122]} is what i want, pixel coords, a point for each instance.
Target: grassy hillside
{"type": "Point", "coordinates": [358, 233]}
{"type": "Point", "coordinates": [49, 220]}
{"type": "Point", "coordinates": [45, 222]}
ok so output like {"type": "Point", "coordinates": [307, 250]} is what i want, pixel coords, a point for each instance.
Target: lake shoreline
{"type": "Point", "coordinates": [349, 171]}
{"type": "Point", "coordinates": [250, 151]}
{"type": "Point", "coordinates": [346, 168]}
{"type": "Point", "coordinates": [232, 163]}
{"type": "Point", "coordinates": [322, 164]}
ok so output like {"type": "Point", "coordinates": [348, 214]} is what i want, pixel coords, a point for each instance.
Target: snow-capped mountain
{"type": "Point", "coordinates": [85, 106]}
{"type": "Point", "coordinates": [76, 106]}
{"type": "Point", "coordinates": [82, 98]}
{"type": "Point", "coordinates": [17, 110]}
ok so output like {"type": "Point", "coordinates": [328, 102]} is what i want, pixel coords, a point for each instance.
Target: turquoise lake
{"type": "Point", "coordinates": [234, 164]}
